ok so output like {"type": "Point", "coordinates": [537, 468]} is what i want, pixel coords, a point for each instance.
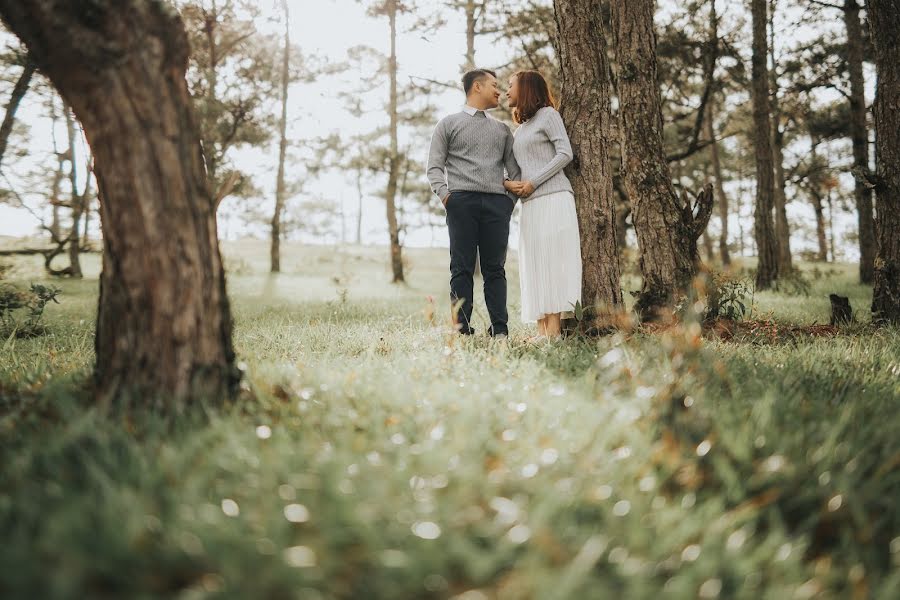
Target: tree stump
{"type": "Point", "coordinates": [841, 313]}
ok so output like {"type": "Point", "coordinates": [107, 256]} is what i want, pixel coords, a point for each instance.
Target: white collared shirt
{"type": "Point", "coordinates": [471, 110]}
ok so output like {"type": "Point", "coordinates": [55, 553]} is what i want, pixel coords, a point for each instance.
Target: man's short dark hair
{"type": "Point", "coordinates": [474, 75]}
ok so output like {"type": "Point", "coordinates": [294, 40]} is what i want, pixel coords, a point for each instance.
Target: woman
{"type": "Point", "coordinates": [549, 243]}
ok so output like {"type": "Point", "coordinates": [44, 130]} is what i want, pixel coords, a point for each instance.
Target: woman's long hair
{"type": "Point", "coordinates": [534, 94]}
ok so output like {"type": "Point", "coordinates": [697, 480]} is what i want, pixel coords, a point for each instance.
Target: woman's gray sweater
{"type": "Point", "coordinates": [542, 150]}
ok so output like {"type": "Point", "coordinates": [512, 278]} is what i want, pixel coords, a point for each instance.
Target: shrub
{"type": "Point", "coordinates": [728, 297]}
{"type": "Point", "coordinates": [32, 303]}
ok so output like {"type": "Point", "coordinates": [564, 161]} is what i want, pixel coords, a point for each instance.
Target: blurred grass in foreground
{"type": "Point", "coordinates": [375, 457]}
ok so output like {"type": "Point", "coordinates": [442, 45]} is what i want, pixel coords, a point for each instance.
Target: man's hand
{"type": "Point", "coordinates": [444, 200]}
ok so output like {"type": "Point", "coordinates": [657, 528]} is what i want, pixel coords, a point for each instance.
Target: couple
{"type": "Point", "coordinates": [478, 169]}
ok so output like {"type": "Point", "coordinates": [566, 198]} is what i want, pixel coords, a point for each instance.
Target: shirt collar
{"type": "Point", "coordinates": [471, 110]}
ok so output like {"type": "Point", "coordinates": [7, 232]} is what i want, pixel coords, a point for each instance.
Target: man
{"type": "Point", "coordinates": [469, 152]}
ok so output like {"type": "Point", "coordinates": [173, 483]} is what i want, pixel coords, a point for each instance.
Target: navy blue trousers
{"type": "Point", "coordinates": [479, 226]}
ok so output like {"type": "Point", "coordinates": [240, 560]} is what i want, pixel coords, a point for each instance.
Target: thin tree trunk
{"type": "Point", "coordinates": [666, 230]}
{"type": "Point", "coordinates": [164, 325]}
{"type": "Point", "coordinates": [831, 226]}
{"type": "Point", "coordinates": [586, 112]}
{"type": "Point", "coordinates": [85, 235]}
{"type": "Point", "coordinates": [393, 175]}
{"type": "Point", "coordinates": [782, 229]}
{"type": "Point", "coordinates": [884, 23]}
{"type": "Point", "coordinates": [815, 196]}
{"type": "Point", "coordinates": [721, 198]}
{"type": "Point", "coordinates": [58, 175]}
{"type": "Point", "coordinates": [764, 228]}
{"type": "Point", "coordinates": [471, 23]}
{"type": "Point", "coordinates": [280, 188]}
{"type": "Point", "coordinates": [76, 199]}
{"type": "Point", "coordinates": [821, 239]}
{"type": "Point", "coordinates": [15, 99]}
{"type": "Point", "coordinates": [860, 138]}
{"type": "Point", "coordinates": [359, 209]}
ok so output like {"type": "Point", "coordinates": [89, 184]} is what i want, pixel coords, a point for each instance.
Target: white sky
{"type": "Point", "coordinates": [328, 28]}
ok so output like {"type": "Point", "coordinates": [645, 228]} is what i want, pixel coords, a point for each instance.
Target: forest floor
{"type": "Point", "coordinates": [372, 455]}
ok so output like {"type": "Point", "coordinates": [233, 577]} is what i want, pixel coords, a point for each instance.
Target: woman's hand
{"type": "Point", "coordinates": [522, 189]}
{"type": "Point", "coordinates": [526, 188]}
{"type": "Point", "coordinates": [512, 186]}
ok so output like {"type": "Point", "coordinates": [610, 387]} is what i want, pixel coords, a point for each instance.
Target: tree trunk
{"type": "Point", "coordinates": [76, 199]}
{"type": "Point", "coordinates": [831, 245]}
{"type": "Point", "coordinates": [280, 188]}
{"type": "Point", "coordinates": [393, 174]}
{"type": "Point", "coordinates": [211, 23]}
{"type": "Point", "coordinates": [164, 324]}
{"type": "Point", "coordinates": [85, 235]}
{"type": "Point", "coordinates": [782, 229]}
{"type": "Point", "coordinates": [860, 136]}
{"type": "Point", "coordinates": [721, 198]}
{"type": "Point", "coordinates": [58, 175]}
{"type": "Point", "coordinates": [359, 208]}
{"type": "Point", "coordinates": [821, 239]}
{"type": "Point", "coordinates": [19, 91]}
{"type": "Point", "coordinates": [815, 197]}
{"type": "Point", "coordinates": [586, 112]}
{"type": "Point", "coordinates": [471, 23]}
{"type": "Point", "coordinates": [884, 23]}
{"type": "Point", "coordinates": [764, 229]}
{"type": "Point", "coordinates": [666, 230]}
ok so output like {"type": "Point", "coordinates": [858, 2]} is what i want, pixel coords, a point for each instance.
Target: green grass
{"type": "Point", "coordinates": [374, 456]}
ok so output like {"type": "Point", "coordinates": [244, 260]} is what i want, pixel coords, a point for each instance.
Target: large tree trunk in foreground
{"type": "Point", "coordinates": [280, 187]}
{"type": "Point", "coordinates": [666, 229]}
{"type": "Point", "coordinates": [164, 325]}
{"type": "Point", "coordinates": [884, 22]}
{"type": "Point", "coordinates": [15, 99]}
{"type": "Point", "coordinates": [394, 173]}
{"type": "Point", "coordinates": [764, 228]}
{"type": "Point", "coordinates": [586, 112]}
{"type": "Point", "coordinates": [721, 198]}
{"type": "Point", "coordinates": [860, 137]}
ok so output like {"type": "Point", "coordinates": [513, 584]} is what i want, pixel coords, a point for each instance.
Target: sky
{"type": "Point", "coordinates": [328, 29]}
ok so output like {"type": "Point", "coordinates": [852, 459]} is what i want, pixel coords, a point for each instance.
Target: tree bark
{"type": "Point", "coordinates": [764, 229]}
{"type": "Point", "coordinates": [860, 137]}
{"type": "Point", "coordinates": [884, 23]}
{"type": "Point", "coordinates": [15, 99]}
{"type": "Point", "coordinates": [587, 115]}
{"type": "Point", "coordinates": [666, 229]}
{"type": "Point", "coordinates": [164, 324]}
{"type": "Point", "coordinates": [722, 199]}
{"type": "Point", "coordinates": [393, 174]}
{"type": "Point", "coordinates": [280, 188]}
{"type": "Point", "coordinates": [782, 229]}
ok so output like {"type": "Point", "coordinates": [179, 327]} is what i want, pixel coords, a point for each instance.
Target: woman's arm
{"type": "Point", "coordinates": [556, 132]}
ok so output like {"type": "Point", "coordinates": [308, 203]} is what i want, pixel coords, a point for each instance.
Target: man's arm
{"type": "Point", "coordinates": [513, 171]}
{"type": "Point", "coordinates": [509, 160]}
{"type": "Point", "coordinates": [437, 159]}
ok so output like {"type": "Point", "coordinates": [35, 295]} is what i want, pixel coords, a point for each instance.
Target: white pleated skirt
{"type": "Point", "coordinates": [549, 256]}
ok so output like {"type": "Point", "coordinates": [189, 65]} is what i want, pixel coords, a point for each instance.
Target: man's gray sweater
{"type": "Point", "coordinates": [469, 152]}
